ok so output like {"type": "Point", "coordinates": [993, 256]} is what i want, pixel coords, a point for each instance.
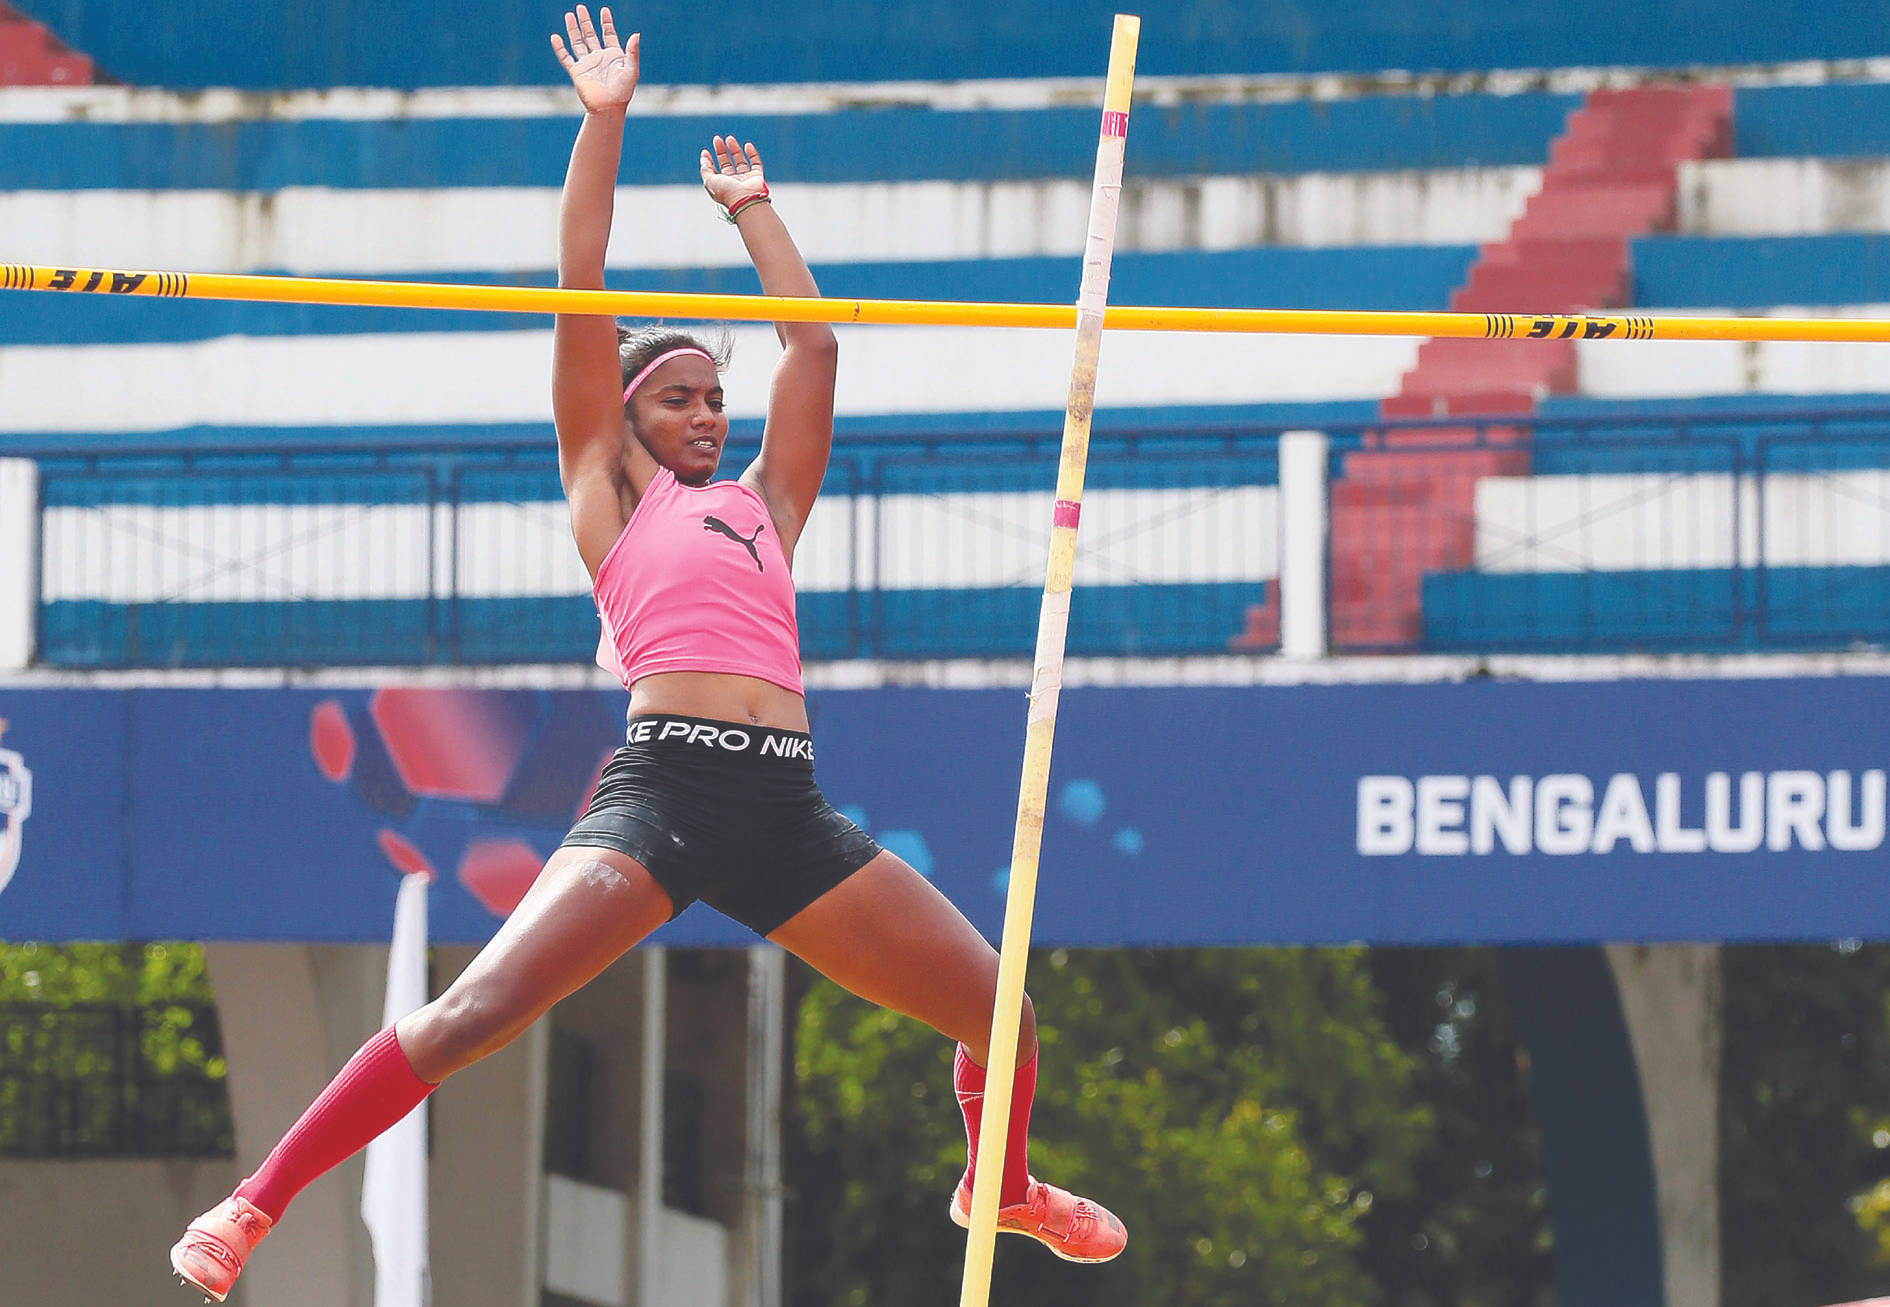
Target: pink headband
{"type": "Point", "coordinates": [658, 362]}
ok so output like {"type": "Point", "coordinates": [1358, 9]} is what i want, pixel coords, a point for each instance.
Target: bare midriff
{"type": "Point", "coordinates": [719, 697]}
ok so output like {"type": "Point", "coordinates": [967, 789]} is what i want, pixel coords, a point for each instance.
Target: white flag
{"type": "Point", "coordinates": [394, 1190]}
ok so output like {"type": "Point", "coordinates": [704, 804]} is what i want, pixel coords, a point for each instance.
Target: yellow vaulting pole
{"type": "Point", "coordinates": [1052, 625]}
{"type": "Point", "coordinates": [946, 313]}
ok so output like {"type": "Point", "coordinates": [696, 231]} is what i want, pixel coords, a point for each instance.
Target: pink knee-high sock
{"type": "Point", "coordinates": [374, 1091]}
{"type": "Point", "coordinates": [968, 1079]}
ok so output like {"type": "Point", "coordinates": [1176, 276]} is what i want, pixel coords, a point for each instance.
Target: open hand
{"type": "Point", "coordinates": [732, 172]}
{"type": "Point", "coordinates": [604, 72]}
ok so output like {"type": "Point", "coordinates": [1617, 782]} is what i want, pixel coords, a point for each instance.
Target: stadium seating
{"type": "Point", "coordinates": [1611, 175]}
{"type": "Point", "coordinates": [30, 55]}
{"type": "Point", "coordinates": [204, 43]}
{"type": "Point", "coordinates": [1561, 190]}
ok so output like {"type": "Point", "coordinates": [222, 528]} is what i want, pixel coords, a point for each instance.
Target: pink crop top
{"type": "Point", "coordinates": [697, 582]}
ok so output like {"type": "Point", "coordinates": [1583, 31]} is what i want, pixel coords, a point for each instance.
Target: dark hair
{"type": "Point", "coordinates": [636, 348]}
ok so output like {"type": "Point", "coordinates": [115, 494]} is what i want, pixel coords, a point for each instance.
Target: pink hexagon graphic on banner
{"type": "Point", "coordinates": [331, 740]}
{"type": "Point", "coordinates": [455, 744]}
{"type": "Point", "coordinates": [407, 860]}
{"type": "Point", "coordinates": [498, 872]}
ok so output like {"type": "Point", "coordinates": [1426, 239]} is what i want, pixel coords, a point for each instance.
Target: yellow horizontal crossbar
{"type": "Point", "coordinates": [944, 313]}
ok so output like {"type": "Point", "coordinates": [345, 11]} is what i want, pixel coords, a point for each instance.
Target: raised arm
{"type": "Point", "coordinates": [586, 389]}
{"type": "Point", "coordinates": [799, 433]}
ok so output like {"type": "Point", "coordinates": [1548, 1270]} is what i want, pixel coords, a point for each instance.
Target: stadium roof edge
{"type": "Point", "coordinates": [121, 104]}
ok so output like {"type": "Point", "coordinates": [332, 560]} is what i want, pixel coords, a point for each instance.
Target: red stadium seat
{"type": "Point", "coordinates": [30, 55]}
{"type": "Point", "coordinates": [1611, 176]}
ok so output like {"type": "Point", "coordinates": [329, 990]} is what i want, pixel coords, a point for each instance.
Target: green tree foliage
{"type": "Point", "coordinates": [1475, 1230]}
{"type": "Point", "coordinates": [137, 975]}
{"type": "Point", "coordinates": [1242, 1110]}
{"type": "Point", "coordinates": [1804, 1125]}
{"type": "Point", "coordinates": [110, 1050]}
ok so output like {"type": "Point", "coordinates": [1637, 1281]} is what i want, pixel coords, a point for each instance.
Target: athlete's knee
{"type": "Point", "coordinates": [1026, 1027]}
{"type": "Point", "coordinates": [976, 1036]}
{"type": "Point", "coordinates": [457, 1029]}
{"type": "Point", "coordinates": [604, 893]}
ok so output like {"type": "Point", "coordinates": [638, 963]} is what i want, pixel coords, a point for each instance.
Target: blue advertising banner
{"type": "Point", "coordinates": [1501, 812]}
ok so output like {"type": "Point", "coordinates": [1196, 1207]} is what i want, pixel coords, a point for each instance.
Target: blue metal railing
{"type": "Point", "coordinates": [1596, 530]}
{"type": "Point", "coordinates": [1700, 530]}
{"type": "Point", "coordinates": [922, 547]}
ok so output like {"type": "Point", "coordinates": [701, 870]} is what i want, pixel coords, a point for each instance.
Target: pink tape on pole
{"type": "Point", "coordinates": [1115, 123]}
{"type": "Point", "coordinates": [1068, 511]}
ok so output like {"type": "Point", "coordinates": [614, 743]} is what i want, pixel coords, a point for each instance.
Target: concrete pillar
{"type": "Point", "coordinates": [649, 1195]}
{"type": "Point", "coordinates": [1303, 544]}
{"type": "Point", "coordinates": [760, 1235]}
{"type": "Point", "coordinates": [1595, 1152]}
{"type": "Point", "coordinates": [1670, 998]}
{"type": "Point", "coordinates": [291, 1014]}
{"type": "Point", "coordinates": [133, 1210]}
{"type": "Point", "coordinates": [484, 1178]}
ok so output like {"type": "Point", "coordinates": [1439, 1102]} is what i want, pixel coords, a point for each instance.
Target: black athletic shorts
{"type": "Point", "coordinates": [725, 813]}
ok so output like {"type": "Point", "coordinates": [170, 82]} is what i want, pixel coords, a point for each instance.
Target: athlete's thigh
{"type": "Point", "coordinates": [888, 935]}
{"type": "Point", "coordinates": [585, 909]}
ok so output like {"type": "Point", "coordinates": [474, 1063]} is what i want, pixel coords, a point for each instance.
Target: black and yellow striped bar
{"type": "Point", "coordinates": [946, 313]}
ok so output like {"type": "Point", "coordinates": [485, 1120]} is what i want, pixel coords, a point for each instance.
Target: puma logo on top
{"type": "Point", "coordinates": [717, 525]}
